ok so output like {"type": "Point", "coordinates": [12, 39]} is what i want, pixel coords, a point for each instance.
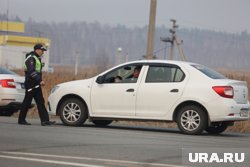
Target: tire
{"type": "Point", "coordinates": [217, 128]}
{"type": "Point", "coordinates": [7, 113]}
{"type": "Point", "coordinates": [102, 123]}
{"type": "Point", "coordinates": [192, 120]}
{"type": "Point", "coordinates": [73, 112]}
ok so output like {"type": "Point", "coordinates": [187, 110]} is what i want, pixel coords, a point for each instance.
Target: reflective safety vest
{"type": "Point", "coordinates": [38, 63]}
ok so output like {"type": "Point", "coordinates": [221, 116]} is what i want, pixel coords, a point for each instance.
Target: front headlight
{"type": "Point", "coordinates": [54, 89]}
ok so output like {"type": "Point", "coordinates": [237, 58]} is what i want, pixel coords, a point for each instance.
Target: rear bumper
{"type": "Point", "coordinates": [236, 112]}
{"type": "Point", "coordinates": [12, 101]}
{"type": "Point", "coordinates": [9, 99]}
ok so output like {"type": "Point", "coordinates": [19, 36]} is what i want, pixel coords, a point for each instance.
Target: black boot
{"type": "Point", "coordinates": [47, 123]}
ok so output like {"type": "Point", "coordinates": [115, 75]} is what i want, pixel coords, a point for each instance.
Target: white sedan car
{"type": "Point", "coordinates": [11, 92]}
{"type": "Point", "coordinates": [192, 95]}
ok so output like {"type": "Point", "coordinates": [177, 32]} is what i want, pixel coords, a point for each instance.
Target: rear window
{"type": "Point", "coordinates": [209, 72]}
{"type": "Point", "coordinates": [6, 71]}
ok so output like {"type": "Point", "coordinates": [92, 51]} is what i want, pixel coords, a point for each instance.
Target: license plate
{"type": "Point", "coordinates": [244, 113]}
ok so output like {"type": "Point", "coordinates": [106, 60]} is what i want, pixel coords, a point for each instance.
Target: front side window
{"type": "Point", "coordinates": [125, 74]}
{"type": "Point", "coordinates": [164, 74]}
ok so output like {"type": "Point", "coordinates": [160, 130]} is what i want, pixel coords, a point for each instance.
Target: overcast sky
{"type": "Point", "coordinates": [219, 15]}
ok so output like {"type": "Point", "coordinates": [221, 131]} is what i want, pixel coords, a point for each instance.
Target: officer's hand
{"type": "Point", "coordinates": [42, 83]}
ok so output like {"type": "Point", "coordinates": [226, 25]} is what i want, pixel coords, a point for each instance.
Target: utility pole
{"type": "Point", "coordinates": [76, 62]}
{"type": "Point", "coordinates": [173, 35]}
{"type": "Point", "coordinates": [151, 30]}
{"type": "Point", "coordinates": [173, 40]}
{"type": "Point", "coordinates": [118, 56]}
{"type": "Point", "coordinates": [7, 32]}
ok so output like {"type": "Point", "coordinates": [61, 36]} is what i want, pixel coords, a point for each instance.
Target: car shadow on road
{"type": "Point", "coordinates": [116, 126]}
{"type": "Point", "coordinates": [165, 130]}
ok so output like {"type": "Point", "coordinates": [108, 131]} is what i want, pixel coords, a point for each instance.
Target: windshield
{"type": "Point", "coordinates": [209, 72]}
{"type": "Point", "coordinates": [6, 71]}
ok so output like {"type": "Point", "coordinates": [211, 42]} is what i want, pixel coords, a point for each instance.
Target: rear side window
{"type": "Point", "coordinates": [209, 72]}
{"type": "Point", "coordinates": [164, 74]}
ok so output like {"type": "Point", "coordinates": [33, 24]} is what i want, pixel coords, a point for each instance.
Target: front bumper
{"type": "Point", "coordinates": [52, 104]}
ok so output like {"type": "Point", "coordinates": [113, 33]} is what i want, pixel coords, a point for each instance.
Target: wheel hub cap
{"type": "Point", "coordinates": [71, 112]}
{"type": "Point", "coordinates": [190, 120]}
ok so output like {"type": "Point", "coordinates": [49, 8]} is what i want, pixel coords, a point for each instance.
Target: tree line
{"type": "Point", "coordinates": [97, 44]}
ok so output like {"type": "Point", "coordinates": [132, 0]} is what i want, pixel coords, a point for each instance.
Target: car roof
{"type": "Point", "coordinates": [161, 61]}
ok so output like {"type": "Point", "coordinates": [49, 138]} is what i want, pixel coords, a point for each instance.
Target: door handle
{"type": "Point", "coordinates": [174, 90]}
{"type": "Point", "coordinates": [130, 90]}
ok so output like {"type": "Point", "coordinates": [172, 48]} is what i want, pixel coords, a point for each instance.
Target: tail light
{"type": "Point", "coordinates": [224, 91]}
{"type": "Point", "coordinates": [8, 83]}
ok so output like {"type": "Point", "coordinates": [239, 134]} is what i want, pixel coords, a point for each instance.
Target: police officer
{"type": "Point", "coordinates": [33, 83]}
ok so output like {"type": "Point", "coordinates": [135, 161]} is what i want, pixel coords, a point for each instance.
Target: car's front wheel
{"type": "Point", "coordinates": [192, 119]}
{"type": "Point", "coordinates": [217, 128]}
{"type": "Point", "coordinates": [73, 112]}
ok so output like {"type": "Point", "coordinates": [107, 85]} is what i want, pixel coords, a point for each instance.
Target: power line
{"type": "Point", "coordinates": [161, 49]}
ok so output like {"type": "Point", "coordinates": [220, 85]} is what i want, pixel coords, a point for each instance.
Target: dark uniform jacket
{"type": "Point", "coordinates": [33, 77]}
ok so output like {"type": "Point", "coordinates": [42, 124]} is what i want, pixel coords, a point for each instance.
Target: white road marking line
{"type": "Point", "coordinates": [92, 159]}
{"type": "Point", "coordinates": [49, 161]}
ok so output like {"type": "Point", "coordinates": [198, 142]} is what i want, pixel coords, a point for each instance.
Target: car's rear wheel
{"type": "Point", "coordinates": [191, 119]}
{"type": "Point", "coordinates": [73, 112]}
{"type": "Point", "coordinates": [102, 123]}
{"type": "Point", "coordinates": [217, 128]}
{"type": "Point", "coordinates": [7, 113]}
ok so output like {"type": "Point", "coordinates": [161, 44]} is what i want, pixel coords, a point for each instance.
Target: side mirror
{"type": "Point", "coordinates": [100, 80]}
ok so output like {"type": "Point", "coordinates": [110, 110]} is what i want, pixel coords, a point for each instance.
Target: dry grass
{"type": "Point", "coordinates": [63, 74]}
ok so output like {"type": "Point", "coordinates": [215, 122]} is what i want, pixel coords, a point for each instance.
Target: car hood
{"type": "Point", "coordinates": [77, 83]}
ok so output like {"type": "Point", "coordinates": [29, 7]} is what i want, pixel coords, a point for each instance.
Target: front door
{"type": "Point", "coordinates": [116, 96]}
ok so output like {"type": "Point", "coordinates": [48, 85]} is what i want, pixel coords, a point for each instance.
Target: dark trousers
{"type": "Point", "coordinates": [38, 96]}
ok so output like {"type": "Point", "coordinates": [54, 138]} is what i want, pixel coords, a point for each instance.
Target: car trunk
{"type": "Point", "coordinates": [19, 82]}
{"type": "Point", "coordinates": [240, 91]}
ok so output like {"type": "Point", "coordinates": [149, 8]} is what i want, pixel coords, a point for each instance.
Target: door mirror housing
{"type": "Point", "coordinates": [100, 80]}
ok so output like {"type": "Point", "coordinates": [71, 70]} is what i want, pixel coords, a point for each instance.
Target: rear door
{"type": "Point", "coordinates": [159, 90]}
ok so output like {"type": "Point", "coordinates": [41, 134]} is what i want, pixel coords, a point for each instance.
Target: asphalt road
{"type": "Point", "coordinates": [113, 146]}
